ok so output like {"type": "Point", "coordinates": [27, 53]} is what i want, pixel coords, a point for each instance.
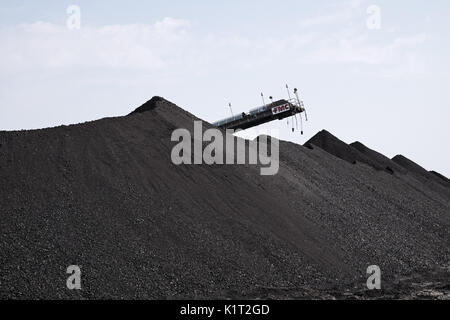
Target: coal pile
{"type": "Point", "coordinates": [409, 165]}
{"type": "Point", "coordinates": [413, 167]}
{"type": "Point", "coordinates": [440, 176]}
{"type": "Point", "coordinates": [106, 196]}
{"type": "Point", "coordinates": [380, 159]}
{"type": "Point", "coordinates": [149, 105]}
{"type": "Point", "coordinates": [340, 149]}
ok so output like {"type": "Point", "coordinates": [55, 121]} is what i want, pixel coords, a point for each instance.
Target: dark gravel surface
{"type": "Point", "coordinates": [340, 149]}
{"type": "Point", "coordinates": [105, 195]}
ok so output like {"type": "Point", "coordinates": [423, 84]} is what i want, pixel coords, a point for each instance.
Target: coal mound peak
{"type": "Point", "coordinates": [151, 104]}
{"type": "Point", "coordinates": [360, 146]}
{"type": "Point", "coordinates": [381, 160]}
{"type": "Point", "coordinates": [409, 164]}
{"type": "Point", "coordinates": [420, 171]}
{"type": "Point", "coordinates": [328, 142]}
{"type": "Point", "coordinates": [440, 176]}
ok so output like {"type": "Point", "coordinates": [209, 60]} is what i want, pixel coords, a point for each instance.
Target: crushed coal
{"type": "Point", "coordinates": [413, 167]}
{"type": "Point", "coordinates": [106, 196]}
{"type": "Point", "coordinates": [378, 158]}
{"type": "Point", "coordinates": [340, 149]}
{"type": "Point", "coordinates": [149, 105]}
{"type": "Point", "coordinates": [409, 164]}
{"type": "Point", "coordinates": [440, 176]}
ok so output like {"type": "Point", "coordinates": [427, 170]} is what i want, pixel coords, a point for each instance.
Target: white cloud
{"type": "Point", "coordinates": [343, 42]}
{"type": "Point", "coordinates": [171, 25]}
{"type": "Point", "coordinates": [170, 44]}
{"type": "Point", "coordinates": [411, 40]}
{"type": "Point", "coordinates": [358, 48]}
{"type": "Point", "coordinates": [325, 19]}
{"type": "Point", "coordinates": [46, 45]}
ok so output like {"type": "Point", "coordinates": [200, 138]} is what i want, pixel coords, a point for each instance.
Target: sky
{"type": "Point", "coordinates": [371, 71]}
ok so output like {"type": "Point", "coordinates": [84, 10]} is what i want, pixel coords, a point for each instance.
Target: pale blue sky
{"type": "Point", "coordinates": [387, 88]}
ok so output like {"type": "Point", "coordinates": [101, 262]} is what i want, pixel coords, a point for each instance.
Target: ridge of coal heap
{"type": "Point", "coordinates": [440, 176]}
{"type": "Point", "coordinates": [151, 104]}
{"type": "Point", "coordinates": [106, 196]}
{"type": "Point", "coordinates": [340, 149]}
{"type": "Point", "coordinates": [419, 170]}
{"type": "Point", "coordinates": [381, 160]}
{"type": "Point", "coordinates": [409, 164]}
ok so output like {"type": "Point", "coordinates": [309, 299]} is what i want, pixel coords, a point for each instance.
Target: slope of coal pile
{"type": "Point", "coordinates": [150, 105]}
{"type": "Point", "coordinates": [393, 221]}
{"type": "Point", "coordinates": [440, 176]}
{"type": "Point", "coordinates": [379, 158]}
{"type": "Point", "coordinates": [411, 174]}
{"type": "Point", "coordinates": [414, 167]}
{"type": "Point", "coordinates": [409, 165]}
{"type": "Point", "coordinates": [106, 196]}
{"type": "Point", "coordinates": [432, 180]}
{"type": "Point", "coordinates": [340, 149]}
